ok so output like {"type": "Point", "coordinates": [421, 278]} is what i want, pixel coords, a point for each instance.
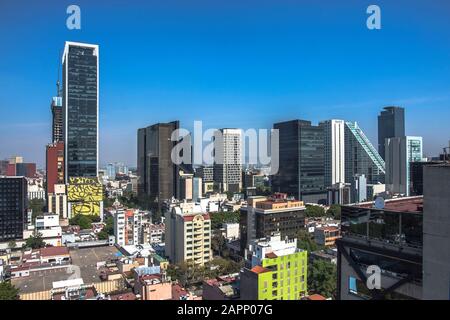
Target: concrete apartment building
{"type": "Point", "coordinates": [265, 215]}
{"type": "Point", "coordinates": [275, 270]}
{"type": "Point", "coordinates": [188, 234]}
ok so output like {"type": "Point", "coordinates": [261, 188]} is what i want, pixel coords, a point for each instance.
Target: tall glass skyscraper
{"type": "Point", "coordinates": [302, 161]}
{"type": "Point", "coordinates": [156, 171]}
{"type": "Point", "coordinates": [361, 157]}
{"type": "Point", "coordinates": [391, 124]}
{"type": "Point", "coordinates": [80, 109]}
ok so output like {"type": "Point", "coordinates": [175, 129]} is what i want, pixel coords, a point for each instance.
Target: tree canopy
{"type": "Point", "coordinates": [35, 241]}
{"type": "Point", "coordinates": [322, 278]}
{"type": "Point", "coordinates": [8, 291]}
{"type": "Point", "coordinates": [314, 211]}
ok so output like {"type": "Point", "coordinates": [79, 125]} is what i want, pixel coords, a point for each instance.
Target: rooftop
{"type": "Point", "coordinates": [406, 204]}
{"type": "Point", "coordinates": [259, 269]}
{"type": "Point", "coordinates": [54, 251]}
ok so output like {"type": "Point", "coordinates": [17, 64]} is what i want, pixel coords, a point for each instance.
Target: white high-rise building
{"type": "Point", "coordinates": [128, 227]}
{"type": "Point", "coordinates": [228, 159]}
{"type": "Point", "coordinates": [188, 234]}
{"type": "Point", "coordinates": [400, 151]}
{"type": "Point", "coordinates": [334, 140]}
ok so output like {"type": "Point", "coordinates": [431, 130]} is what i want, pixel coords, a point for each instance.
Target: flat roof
{"type": "Point", "coordinates": [406, 204]}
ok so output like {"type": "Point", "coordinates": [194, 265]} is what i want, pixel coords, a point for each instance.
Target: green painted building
{"type": "Point", "coordinates": [277, 271]}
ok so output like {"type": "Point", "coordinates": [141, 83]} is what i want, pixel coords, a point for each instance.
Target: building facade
{"type": "Point", "coordinates": [13, 207]}
{"type": "Point", "coordinates": [301, 171]}
{"type": "Point", "coordinates": [188, 234]}
{"type": "Point", "coordinates": [80, 109]}
{"type": "Point", "coordinates": [334, 148]}
{"type": "Point", "coordinates": [264, 216]}
{"type": "Point", "coordinates": [400, 152]}
{"type": "Point", "coordinates": [361, 157]}
{"type": "Point", "coordinates": [228, 159]}
{"type": "Point", "coordinates": [57, 119]}
{"type": "Point", "coordinates": [54, 165]}
{"type": "Point", "coordinates": [275, 270]}
{"type": "Point", "coordinates": [157, 174]}
{"type": "Point", "coordinates": [436, 235]}
{"type": "Point", "coordinates": [389, 237]}
{"type": "Point", "coordinates": [391, 124]}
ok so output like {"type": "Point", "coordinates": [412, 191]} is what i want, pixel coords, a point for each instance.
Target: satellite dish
{"type": "Point", "coordinates": [379, 203]}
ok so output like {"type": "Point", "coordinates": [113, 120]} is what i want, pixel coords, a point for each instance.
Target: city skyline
{"type": "Point", "coordinates": [333, 67]}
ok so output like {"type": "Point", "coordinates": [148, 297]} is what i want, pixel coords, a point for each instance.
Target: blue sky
{"type": "Point", "coordinates": [229, 63]}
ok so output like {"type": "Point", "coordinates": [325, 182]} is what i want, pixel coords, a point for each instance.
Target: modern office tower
{"type": "Point", "coordinates": [54, 165]}
{"type": "Point", "coordinates": [436, 235]}
{"type": "Point", "coordinates": [111, 171]}
{"type": "Point", "coordinates": [57, 119]}
{"type": "Point", "coordinates": [334, 146]}
{"type": "Point", "coordinates": [188, 234]}
{"type": "Point", "coordinates": [228, 159]}
{"type": "Point", "coordinates": [391, 124]}
{"type": "Point", "coordinates": [275, 270]}
{"type": "Point", "coordinates": [57, 201]}
{"type": "Point", "coordinates": [206, 173]}
{"type": "Point", "coordinates": [301, 171]}
{"type": "Point", "coordinates": [13, 207]}
{"type": "Point", "coordinates": [80, 109]}
{"type": "Point", "coordinates": [361, 157]}
{"type": "Point", "coordinates": [128, 227]}
{"type": "Point", "coordinates": [400, 152]}
{"type": "Point", "coordinates": [265, 215]}
{"type": "Point", "coordinates": [358, 189]}
{"type": "Point", "coordinates": [388, 236]}
{"type": "Point", "coordinates": [156, 172]}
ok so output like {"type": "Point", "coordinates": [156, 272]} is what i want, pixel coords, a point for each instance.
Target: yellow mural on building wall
{"type": "Point", "coordinates": [84, 189]}
{"type": "Point", "coordinates": [85, 195]}
{"type": "Point", "coordinates": [87, 208]}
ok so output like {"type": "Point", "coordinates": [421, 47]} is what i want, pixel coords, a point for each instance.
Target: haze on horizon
{"type": "Point", "coordinates": [229, 64]}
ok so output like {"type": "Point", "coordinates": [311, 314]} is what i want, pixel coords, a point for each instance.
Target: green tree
{"type": "Point", "coordinates": [322, 278]}
{"type": "Point", "coordinates": [218, 218]}
{"type": "Point", "coordinates": [38, 206]}
{"type": "Point", "coordinates": [8, 291]}
{"type": "Point", "coordinates": [109, 226]}
{"type": "Point", "coordinates": [314, 211]}
{"type": "Point", "coordinates": [306, 242]}
{"type": "Point", "coordinates": [102, 235]}
{"type": "Point", "coordinates": [35, 241]}
{"type": "Point", "coordinates": [84, 221]}
{"type": "Point", "coordinates": [219, 244]}
{"type": "Point", "coordinates": [334, 211]}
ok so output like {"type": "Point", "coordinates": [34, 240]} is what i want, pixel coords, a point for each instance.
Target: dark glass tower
{"type": "Point", "coordinates": [391, 123]}
{"type": "Point", "coordinates": [13, 207]}
{"type": "Point", "coordinates": [156, 171]}
{"type": "Point", "coordinates": [80, 109]}
{"type": "Point", "coordinates": [302, 161]}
